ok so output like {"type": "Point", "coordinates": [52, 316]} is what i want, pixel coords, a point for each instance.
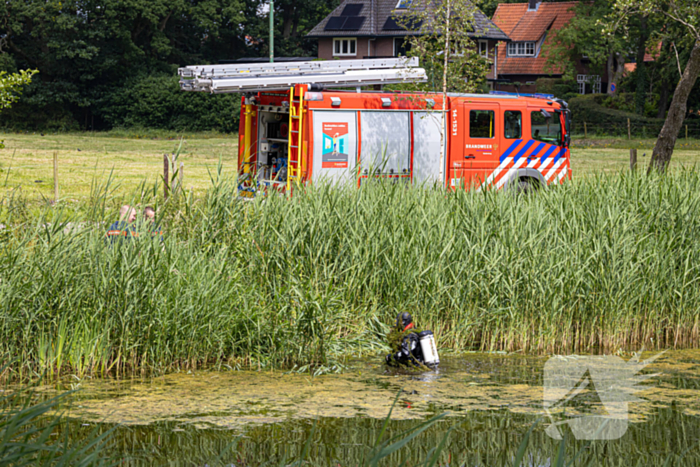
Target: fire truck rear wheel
{"type": "Point", "coordinates": [527, 186]}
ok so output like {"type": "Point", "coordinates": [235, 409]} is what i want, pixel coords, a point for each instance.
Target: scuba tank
{"type": "Point", "coordinates": [427, 345]}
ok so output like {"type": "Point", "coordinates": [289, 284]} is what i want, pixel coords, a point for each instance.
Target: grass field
{"type": "Point", "coordinates": [27, 160]}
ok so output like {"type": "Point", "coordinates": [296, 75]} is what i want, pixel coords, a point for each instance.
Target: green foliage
{"type": "Point", "coordinates": [307, 281]}
{"type": "Point", "coordinates": [627, 103]}
{"type": "Point", "coordinates": [90, 53]}
{"type": "Point", "coordinates": [10, 88]}
{"type": "Point", "coordinates": [611, 115]}
{"type": "Point", "coordinates": [583, 36]}
{"type": "Point", "coordinates": [157, 102]}
{"type": "Point", "coordinates": [563, 89]}
{"type": "Point", "coordinates": [466, 70]}
{"type": "Point", "coordinates": [11, 85]}
{"type": "Point", "coordinates": [293, 19]}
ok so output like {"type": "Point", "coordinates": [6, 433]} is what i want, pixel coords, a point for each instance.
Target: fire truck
{"type": "Point", "coordinates": [315, 121]}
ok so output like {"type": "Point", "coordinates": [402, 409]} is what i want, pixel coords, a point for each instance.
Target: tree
{"type": "Point", "coordinates": [10, 88]}
{"type": "Point", "coordinates": [293, 19]}
{"type": "Point", "coordinates": [11, 85]}
{"type": "Point", "coordinates": [445, 46]}
{"type": "Point", "coordinates": [87, 49]}
{"type": "Point", "coordinates": [583, 36]}
{"type": "Point", "coordinates": [687, 14]}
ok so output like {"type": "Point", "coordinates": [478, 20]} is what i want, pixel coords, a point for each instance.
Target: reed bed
{"type": "Point", "coordinates": [600, 264]}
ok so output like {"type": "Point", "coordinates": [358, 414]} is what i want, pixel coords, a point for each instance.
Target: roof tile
{"type": "Point", "coordinates": [523, 25]}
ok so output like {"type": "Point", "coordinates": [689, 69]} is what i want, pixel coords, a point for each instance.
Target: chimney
{"type": "Point", "coordinates": [532, 5]}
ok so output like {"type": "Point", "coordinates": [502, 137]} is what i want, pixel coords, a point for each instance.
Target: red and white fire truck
{"type": "Point", "coordinates": [297, 127]}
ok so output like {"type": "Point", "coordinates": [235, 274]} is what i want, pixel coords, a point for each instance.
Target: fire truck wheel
{"type": "Point", "coordinates": [527, 186]}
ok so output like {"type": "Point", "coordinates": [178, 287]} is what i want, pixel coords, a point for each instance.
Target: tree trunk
{"type": "Point", "coordinates": [610, 66]}
{"type": "Point", "coordinates": [287, 19]}
{"type": "Point", "coordinates": [619, 70]}
{"type": "Point", "coordinates": [663, 149]}
{"type": "Point", "coordinates": [616, 68]}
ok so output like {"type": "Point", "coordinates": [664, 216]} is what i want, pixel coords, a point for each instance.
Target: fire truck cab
{"type": "Point", "coordinates": [295, 129]}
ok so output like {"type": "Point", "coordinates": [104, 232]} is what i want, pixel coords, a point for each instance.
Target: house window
{"type": "Point", "coordinates": [344, 47]}
{"type": "Point", "coordinates": [484, 49]}
{"type": "Point", "coordinates": [588, 84]}
{"type": "Point", "coordinates": [512, 124]}
{"type": "Point", "coordinates": [521, 49]}
{"type": "Point", "coordinates": [403, 4]}
{"type": "Point", "coordinates": [401, 47]}
{"type": "Point", "coordinates": [581, 80]}
{"type": "Point", "coordinates": [482, 123]}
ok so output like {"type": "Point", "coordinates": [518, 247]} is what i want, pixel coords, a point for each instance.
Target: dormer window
{"type": "Point", "coordinates": [521, 49]}
{"type": "Point", "coordinates": [404, 4]}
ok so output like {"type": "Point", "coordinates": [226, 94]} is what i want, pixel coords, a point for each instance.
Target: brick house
{"type": "Point", "coordinates": [523, 60]}
{"type": "Point", "coordinates": [368, 29]}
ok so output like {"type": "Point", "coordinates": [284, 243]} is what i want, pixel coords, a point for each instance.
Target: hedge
{"type": "Point", "coordinates": [603, 121]}
{"type": "Point", "coordinates": [147, 101]}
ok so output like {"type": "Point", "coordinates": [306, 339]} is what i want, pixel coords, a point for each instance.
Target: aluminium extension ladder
{"type": "Point", "coordinates": [257, 77]}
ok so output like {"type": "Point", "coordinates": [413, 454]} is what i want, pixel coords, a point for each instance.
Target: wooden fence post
{"type": "Point", "coordinates": [629, 129]}
{"type": "Point", "coordinates": [585, 131]}
{"type": "Point", "coordinates": [55, 177]}
{"type": "Point", "coordinates": [166, 176]}
{"type": "Point", "coordinates": [633, 159]}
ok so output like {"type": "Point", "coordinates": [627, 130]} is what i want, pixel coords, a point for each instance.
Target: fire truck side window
{"type": "Point", "coordinates": [545, 129]}
{"type": "Point", "coordinates": [482, 123]}
{"type": "Point", "coordinates": [512, 124]}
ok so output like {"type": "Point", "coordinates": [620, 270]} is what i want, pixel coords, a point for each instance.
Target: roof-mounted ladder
{"type": "Point", "coordinates": [256, 77]}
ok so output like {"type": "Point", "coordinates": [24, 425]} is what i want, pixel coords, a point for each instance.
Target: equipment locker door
{"type": "Point", "coordinates": [386, 143]}
{"type": "Point", "coordinates": [478, 159]}
{"type": "Point", "coordinates": [335, 145]}
{"type": "Point", "coordinates": [427, 128]}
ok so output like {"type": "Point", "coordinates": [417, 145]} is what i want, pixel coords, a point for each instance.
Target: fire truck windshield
{"type": "Point", "coordinates": [546, 129]}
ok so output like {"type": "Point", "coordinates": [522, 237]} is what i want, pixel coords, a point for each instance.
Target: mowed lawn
{"type": "Point", "coordinates": [27, 160]}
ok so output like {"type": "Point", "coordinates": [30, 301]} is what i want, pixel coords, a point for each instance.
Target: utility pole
{"type": "Point", "coordinates": [272, 31]}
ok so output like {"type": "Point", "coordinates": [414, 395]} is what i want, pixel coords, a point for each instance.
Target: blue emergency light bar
{"type": "Point", "coordinates": [535, 95]}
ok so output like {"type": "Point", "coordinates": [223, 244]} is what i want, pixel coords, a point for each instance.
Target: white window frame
{"type": "Point", "coordinates": [485, 52]}
{"type": "Point", "coordinates": [406, 4]}
{"type": "Point", "coordinates": [594, 80]}
{"type": "Point", "coordinates": [521, 49]}
{"type": "Point", "coordinates": [342, 46]}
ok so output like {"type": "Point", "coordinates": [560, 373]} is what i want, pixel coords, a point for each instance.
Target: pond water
{"type": "Point", "coordinates": [490, 401]}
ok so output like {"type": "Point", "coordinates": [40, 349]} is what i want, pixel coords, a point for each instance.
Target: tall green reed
{"type": "Point", "coordinates": [32, 433]}
{"type": "Point", "coordinates": [597, 264]}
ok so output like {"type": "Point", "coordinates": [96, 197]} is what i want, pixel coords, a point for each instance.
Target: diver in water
{"type": "Point", "coordinates": [409, 346]}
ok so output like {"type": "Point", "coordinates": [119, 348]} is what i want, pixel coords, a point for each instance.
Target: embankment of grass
{"type": "Point", "coordinates": [602, 263]}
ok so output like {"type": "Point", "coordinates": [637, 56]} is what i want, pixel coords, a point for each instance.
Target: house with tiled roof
{"type": "Point", "coordinates": [523, 60]}
{"type": "Point", "coordinates": [359, 29]}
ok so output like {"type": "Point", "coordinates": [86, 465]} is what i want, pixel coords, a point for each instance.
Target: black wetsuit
{"type": "Point", "coordinates": [408, 352]}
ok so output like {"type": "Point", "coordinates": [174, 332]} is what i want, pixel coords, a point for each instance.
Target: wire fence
{"type": "Point", "coordinates": [628, 129]}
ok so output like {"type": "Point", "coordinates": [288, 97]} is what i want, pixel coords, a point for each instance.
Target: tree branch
{"type": "Point", "coordinates": [161, 27]}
